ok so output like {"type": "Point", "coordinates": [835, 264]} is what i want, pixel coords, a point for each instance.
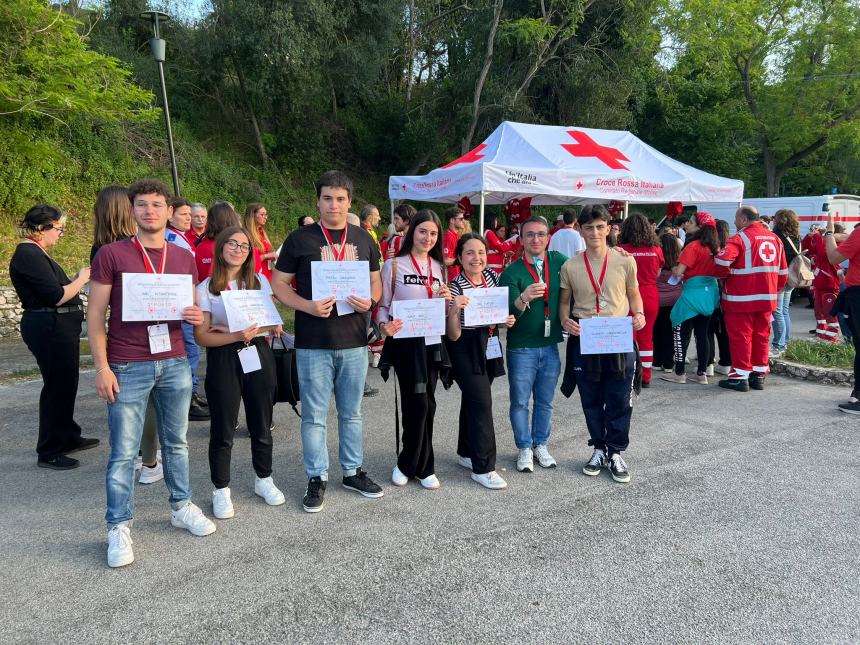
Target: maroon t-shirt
{"type": "Point", "coordinates": [128, 342]}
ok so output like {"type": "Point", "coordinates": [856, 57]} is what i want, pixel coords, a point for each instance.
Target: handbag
{"type": "Point", "coordinates": [800, 270]}
{"type": "Point", "coordinates": [287, 374]}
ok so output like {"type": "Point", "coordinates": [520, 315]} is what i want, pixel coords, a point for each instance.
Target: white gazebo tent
{"type": "Point", "coordinates": [557, 165]}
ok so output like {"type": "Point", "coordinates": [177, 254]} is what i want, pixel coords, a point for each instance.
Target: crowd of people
{"type": "Point", "coordinates": [730, 292]}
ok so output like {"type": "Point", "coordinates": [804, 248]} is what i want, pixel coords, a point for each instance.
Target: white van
{"type": "Point", "coordinates": [810, 210]}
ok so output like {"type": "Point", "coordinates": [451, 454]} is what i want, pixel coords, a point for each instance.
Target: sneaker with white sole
{"type": "Point", "coordinates": [191, 518]}
{"type": "Point", "coordinates": [618, 469]}
{"type": "Point", "coordinates": [723, 369]}
{"type": "Point", "coordinates": [398, 478]}
{"type": "Point", "coordinates": [465, 462]}
{"type": "Point", "coordinates": [525, 460]}
{"type": "Point", "coordinates": [120, 552]}
{"type": "Point", "coordinates": [674, 378]}
{"type": "Point", "coordinates": [363, 485]}
{"type": "Point", "coordinates": [491, 480]}
{"type": "Point", "coordinates": [138, 464]}
{"type": "Point", "coordinates": [850, 408]}
{"type": "Point", "coordinates": [266, 489]}
{"type": "Point", "coordinates": [596, 463]}
{"type": "Point", "coordinates": [151, 475]}
{"type": "Point", "coordinates": [430, 482]}
{"type": "Point", "coordinates": [222, 505]}
{"type": "Point", "coordinates": [709, 371]}
{"type": "Point", "coordinates": [543, 457]}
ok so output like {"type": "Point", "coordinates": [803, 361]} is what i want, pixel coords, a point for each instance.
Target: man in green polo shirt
{"type": "Point", "coordinates": [532, 354]}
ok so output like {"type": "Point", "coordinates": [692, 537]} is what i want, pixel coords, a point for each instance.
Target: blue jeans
{"type": "Point", "coordinates": [321, 372]}
{"type": "Point", "coordinates": [169, 382]}
{"type": "Point", "coordinates": [782, 319]}
{"type": "Point", "coordinates": [532, 371]}
{"type": "Point", "coordinates": [192, 350]}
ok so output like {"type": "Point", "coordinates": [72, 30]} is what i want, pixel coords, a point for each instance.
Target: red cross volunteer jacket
{"type": "Point", "coordinates": [753, 264]}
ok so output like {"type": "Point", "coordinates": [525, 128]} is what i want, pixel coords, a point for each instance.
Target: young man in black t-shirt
{"type": "Point", "coordinates": [331, 347]}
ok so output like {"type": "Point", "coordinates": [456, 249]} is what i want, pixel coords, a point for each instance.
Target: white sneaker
{"type": "Point", "coordinates": [722, 369]}
{"type": "Point", "coordinates": [431, 482]}
{"type": "Point", "coordinates": [490, 480]}
{"type": "Point", "coordinates": [465, 462]}
{"type": "Point", "coordinates": [120, 552]}
{"type": "Point", "coordinates": [151, 475]}
{"type": "Point", "coordinates": [266, 489]}
{"type": "Point", "coordinates": [398, 478]}
{"type": "Point", "coordinates": [709, 371]}
{"type": "Point", "coordinates": [374, 360]}
{"type": "Point", "coordinates": [525, 462]}
{"type": "Point", "coordinates": [222, 505]}
{"type": "Point", "coordinates": [190, 517]}
{"type": "Point", "coordinates": [545, 459]}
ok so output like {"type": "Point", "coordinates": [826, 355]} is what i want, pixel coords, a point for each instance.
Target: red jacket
{"type": "Point", "coordinates": [826, 274]}
{"type": "Point", "coordinates": [753, 264]}
{"type": "Point", "coordinates": [496, 250]}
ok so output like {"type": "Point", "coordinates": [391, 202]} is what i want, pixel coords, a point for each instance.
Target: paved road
{"type": "Point", "coordinates": [740, 525]}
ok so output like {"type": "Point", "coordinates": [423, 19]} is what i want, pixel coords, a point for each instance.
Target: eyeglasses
{"type": "Point", "coordinates": [233, 245]}
{"type": "Point", "coordinates": [61, 229]}
{"type": "Point", "coordinates": [537, 235]}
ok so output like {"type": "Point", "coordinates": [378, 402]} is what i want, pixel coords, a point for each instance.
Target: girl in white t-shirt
{"type": "Point", "coordinates": [239, 365]}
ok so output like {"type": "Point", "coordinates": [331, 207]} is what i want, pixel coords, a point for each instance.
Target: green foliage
{"type": "Point", "coordinates": [810, 352]}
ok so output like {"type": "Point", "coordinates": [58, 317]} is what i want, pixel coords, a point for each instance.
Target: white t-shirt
{"type": "Point", "coordinates": [215, 306]}
{"type": "Point", "coordinates": [567, 242]}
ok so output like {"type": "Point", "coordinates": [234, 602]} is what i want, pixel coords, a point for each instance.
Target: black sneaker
{"type": "Point", "coordinates": [370, 391]}
{"type": "Point", "coordinates": [756, 382]}
{"type": "Point", "coordinates": [196, 412]}
{"type": "Point", "coordinates": [83, 443]}
{"type": "Point", "coordinates": [736, 384]}
{"type": "Point", "coordinates": [596, 463]}
{"type": "Point", "coordinates": [855, 396]}
{"type": "Point", "coordinates": [618, 468]}
{"type": "Point", "coordinates": [200, 400]}
{"type": "Point", "coordinates": [313, 499]}
{"type": "Point", "coordinates": [60, 462]}
{"type": "Point", "coordinates": [361, 483]}
{"type": "Point", "coordinates": [850, 408]}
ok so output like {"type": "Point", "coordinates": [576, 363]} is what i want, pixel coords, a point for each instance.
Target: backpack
{"type": "Point", "coordinates": [287, 374]}
{"type": "Point", "coordinates": [800, 270]}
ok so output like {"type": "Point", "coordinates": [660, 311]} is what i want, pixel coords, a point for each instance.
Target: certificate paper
{"type": "Point", "coordinates": [248, 307]}
{"type": "Point", "coordinates": [155, 296]}
{"type": "Point", "coordinates": [340, 279]}
{"type": "Point", "coordinates": [606, 335]}
{"type": "Point", "coordinates": [420, 317]}
{"type": "Point", "coordinates": [486, 307]}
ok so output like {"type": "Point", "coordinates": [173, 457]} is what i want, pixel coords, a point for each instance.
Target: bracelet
{"type": "Point", "coordinates": [523, 300]}
{"type": "Point", "coordinates": [828, 233]}
{"type": "Point", "coordinates": [101, 369]}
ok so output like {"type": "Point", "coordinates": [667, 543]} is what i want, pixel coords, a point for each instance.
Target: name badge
{"type": "Point", "coordinates": [249, 358]}
{"type": "Point", "coordinates": [159, 338]}
{"type": "Point", "coordinates": [494, 348]}
{"type": "Point", "coordinates": [547, 328]}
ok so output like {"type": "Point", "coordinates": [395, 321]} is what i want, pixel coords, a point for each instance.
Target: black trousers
{"type": "Point", "coordinates": [417, 411]}
{"type": "Point", "coordinates": [852, 310]}
{"type": "Point", "coordinates": [704, 342]}
{"type": "Point", "coordinates": [664, 353]}
{"type": "Point", "coordinates": [225, 385]}
{"type": "Point", "coordinates": [717, 330]}
{"type": "Point", "coordinates": [477, 434]}
{"type": "Point", "coordinates": [54, 339]}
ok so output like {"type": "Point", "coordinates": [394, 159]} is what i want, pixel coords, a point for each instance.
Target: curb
{"type": "Point", "coordinates": [823, 375]}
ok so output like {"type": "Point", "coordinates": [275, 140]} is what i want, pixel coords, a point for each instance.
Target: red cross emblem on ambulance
{"type": "Point", "coordinates": [767, 251]}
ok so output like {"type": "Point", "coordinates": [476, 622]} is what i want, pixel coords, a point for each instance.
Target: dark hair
{"type": "Point", "coordinates": [461, 243]}
{"type": "Point", "coordinates": [424, 215]}
{"type": "Point", "coordinates": [591, 212]}
{"type": "Point", "coordinates": [148, 187]}
{"type": "Point", "coordinates": [113, 218]}
{"type": "Point", "coordinates": [302, 218]}
{"type": "Point", "coordinates": [334, 179]}
{"type": "Point", "coordinates": [535, 219]}
{"type": "Point", "coordinates": [366, 210]}
{"type": "Point", "coordinates": [178, 202]}
{"type": "Point", "coordinates": [750, 212]}
{"type": "Point", "coordinates": [491, 222]}
{"type": "Point", "coordinates": [246, 279]}
{"type": "Point", "coordinates": [405, 212]}
{"type": "Point", "coordinates": [722, 232]}
{"type": "Point", "coordinates": [220, 216]}
{"type": "Point", "coordinates": [838, 228]}
{"type": "Point", "coordinates": [568, 216]}
{"type": "Point", "coordinates": [671, 250]}
{"type": "Point", "coordinates": [706, 236]}
{"type": "Point", "coordinates": [39, 218]}
{"type": "Point", "coordinates": [636, 231]}
{"type": "Point", "coordinates": [451, 213]}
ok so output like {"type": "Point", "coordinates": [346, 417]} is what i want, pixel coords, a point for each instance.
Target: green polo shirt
{"type": "Point", "coordinates": [528, 330]}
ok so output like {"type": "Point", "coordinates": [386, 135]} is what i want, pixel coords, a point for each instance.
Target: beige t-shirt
{"type": "Point", "coordinates": [620, 276]}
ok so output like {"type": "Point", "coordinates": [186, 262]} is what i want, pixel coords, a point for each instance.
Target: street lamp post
{"type": "Point", "coordinates": [159, 49]}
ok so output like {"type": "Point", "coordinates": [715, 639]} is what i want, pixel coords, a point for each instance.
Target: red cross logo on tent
{"type": "Point", "coordinates": [767, 251]}
{"type": "Point", "coordinates": [579, 184]}
{"type": "Point", "coordinates": [585, 146]}
{"type": "Point", "coordinates": [470, 157]}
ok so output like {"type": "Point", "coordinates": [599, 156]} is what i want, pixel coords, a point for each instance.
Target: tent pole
{"type": "Point", "coordinates": [481, 215]}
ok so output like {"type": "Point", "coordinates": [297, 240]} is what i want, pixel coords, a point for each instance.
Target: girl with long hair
{"type": "Point", "coordinates": [719, 337]}
{"type": "Point", "coordinates": [416, 272]}
{"type": "Point", "coordinates": [667, 294]}
{"type": "Point", "coordinates": [227, 381]}
{"type": "Point", "coordinates": [638, 240]}
{"type": "Point", "coordinates": [786, 226]}
{"type": "Point", "coordinates": [221, 215]}
{"type": "Point", "coordinates": [256, 217]}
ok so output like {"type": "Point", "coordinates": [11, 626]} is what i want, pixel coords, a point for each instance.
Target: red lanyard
{"type": "Point", "coordinates": [337, 256]}
{"type": "Point", "coordinates": [533, 273]}
{"type": "Point", "coordinates": [598, 287]}
{"type": "Point", "coordinates": [429, 279]}
{"type": "Point", "coordinates": [37, 243]}
{"type": "Point", "coordinates": [147, 263]}
{"type": "Point", "coordinates": [483, 281]}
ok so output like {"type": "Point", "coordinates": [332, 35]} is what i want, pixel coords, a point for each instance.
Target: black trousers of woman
{"type": "Point", "coordinates": [704, 343]}
{"type": "Point", "coordinates": [664, 353]}
{"type": "Point", "coordinates": [54, 339]}
{"type": "Point", "coordinates": [225, 385]}
{"type": "Point", "coordinates": [717, 329]}
{"type": "Point", "coordinates": [477, 434]}
{"type": "Point", "coordinates": [417, 410]}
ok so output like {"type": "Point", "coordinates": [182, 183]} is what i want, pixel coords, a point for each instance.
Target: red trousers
{"type": "Point", "coordinates": [645, 336]}
{"type": "Point", "coordinates": [749, 335]}
{"type": "Point", "coordinates": [826, 325]}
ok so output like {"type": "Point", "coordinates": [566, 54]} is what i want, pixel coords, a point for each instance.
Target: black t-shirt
{"type": "Point", "coordinates": [307, 244]}
{"type": "Point", "coordinates": [37, 279]}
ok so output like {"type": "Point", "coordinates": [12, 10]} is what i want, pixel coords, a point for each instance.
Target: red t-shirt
{"type": "Point", "coordinates": [203, 258]}
{"type": "Point", "coordinates": [191, 237]}
{"type": "Point", "coordinates": [850, 248]}
{"type": "Point", "coordinates": [698, 260]}
{"type": "Point", "coordinates": [449, 240]}
{"type": "Point", "coordinates": [649, 262]}
{"type": "Point", "coordinates": [128, 342]}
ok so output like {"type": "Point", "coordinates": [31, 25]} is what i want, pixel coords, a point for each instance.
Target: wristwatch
{"type": "Point", "coordinates": [828, 233]}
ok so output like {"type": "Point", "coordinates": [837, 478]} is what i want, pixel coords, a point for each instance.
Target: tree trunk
{"type": "Point", "coordinates": [482, 77]}
{"type": "Point", "coordinates": [410, 59]}
{"type": "Point", "coordinates": [258, 137]}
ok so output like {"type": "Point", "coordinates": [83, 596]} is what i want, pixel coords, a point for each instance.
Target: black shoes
{"type": "Point", "coordinates": [597, 463]}
{"type": "Point", "coordinates": [198, 411]}
{"type": "Point", "coordinates": [60, 462]}
{"type": "Point", "coordinates": [850, 408]}
{"type": "Point", "coordinates": [313, 499]}
{"type": "Point", "coordinates": [736, 384]}
{"type": "Point", "coordinates": [370, 391]}
{"type": "Point", "coordinates": [618, 469]}
{"type": "Point", "coordinates": [361, 483]}
{"type": "Point", "coordinates": [756, 382]}
{"type": "Point", "coordinates": [83, 443]}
